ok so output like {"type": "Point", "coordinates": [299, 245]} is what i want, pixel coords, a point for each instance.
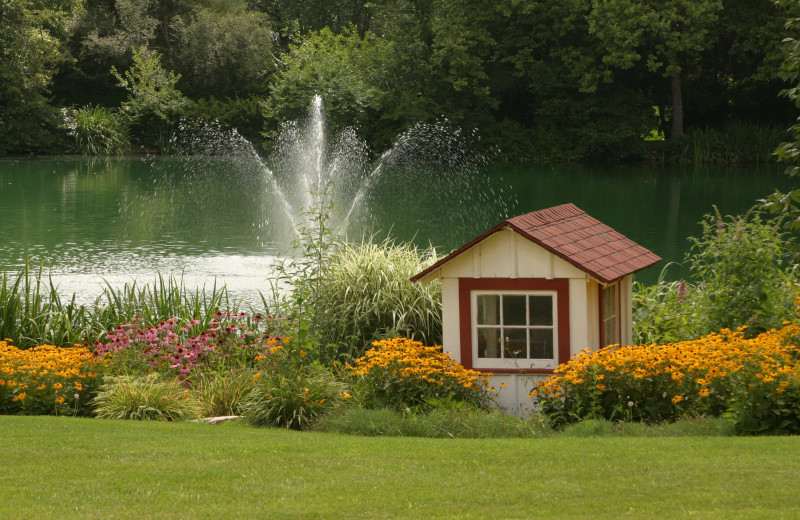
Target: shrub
{"type": "Point", "coordinates": [655, 383]}
{"type": "Point", "coordinates": [741, 276]}
{"type": "Point", "coordinates": [293, 395]}
{"type": "Point", "coordinates": [47, 380]}
{"type": "Point", "coordinates": [766, 400]}
{"type": "Point", "coordinates": [741, 267]}
{"type": "Point", "coordinates": [145, 397]}
{"type": "Point", "coordinates": [401, 373]}
{"type": "Point", "coordinates": [98, 131]}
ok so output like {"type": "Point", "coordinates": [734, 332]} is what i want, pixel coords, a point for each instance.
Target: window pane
{"type": "Point", "coordinates": [488, 343]}
{"type": "Point", "coordinates": [610, 332]}
{"type": "Point", "coordinates": [516, 344]}
{"type": "Point", "coordinates": [541, 309]}
{"type": "Point", "coordinates": [541, 343]}
{"type": "Point", "coordinates": [488, 309]}
{"type": "Point", "coordinates": [514, 310]}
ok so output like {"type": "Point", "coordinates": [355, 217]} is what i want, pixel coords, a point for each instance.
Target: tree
{"type": "Point", "coordinates": [30, 52]}
{"type": "Point", "coordinates": [664, 36]}
{"type": "Point", "coordinates": [154, 103]}
{"type": "Point", "coordinates": [787, 203]}
{"type": "Point", "coordinates": [224, 54]}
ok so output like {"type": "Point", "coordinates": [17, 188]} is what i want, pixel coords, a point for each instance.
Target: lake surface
{"type": "Point", "coordinates": [206, 219]}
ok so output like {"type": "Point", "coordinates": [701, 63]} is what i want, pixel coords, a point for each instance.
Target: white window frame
{"type": "Point", "coordinates": [513, 363]}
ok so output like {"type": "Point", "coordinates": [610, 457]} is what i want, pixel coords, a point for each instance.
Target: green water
{"type": "Point", "coordinates": [115, 220]}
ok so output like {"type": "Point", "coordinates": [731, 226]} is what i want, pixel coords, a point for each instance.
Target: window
{"type": "Point", "coordinates": [514, 329]}
{"type": "Point", "coordinates": [610, 315]}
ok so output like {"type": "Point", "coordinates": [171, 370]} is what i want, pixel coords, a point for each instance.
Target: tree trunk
{"type": "Point", "coordinates": [677, 106]}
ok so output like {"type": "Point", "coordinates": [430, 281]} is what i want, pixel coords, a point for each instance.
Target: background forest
{"type": "Point", "coordinates": [560, 80]}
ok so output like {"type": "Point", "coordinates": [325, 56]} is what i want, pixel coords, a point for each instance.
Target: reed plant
{"type": "Point", "coordinates": [737, 142]}
{"type": "Point", "coordinates": [165, 297]}
{"type": "Point", "coordinates": [32, 312]}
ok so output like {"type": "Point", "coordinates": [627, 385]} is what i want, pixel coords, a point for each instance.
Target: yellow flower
{"type": "Point", "coordinates": [20, 397]}
{"type": "Point", "coordinates": [58, 386]}
{"type": "Point", "coordinates": [677, 399]}
{"type": "Point", "coordinates": [60, 400]}
{"type": "Point", "coordinates": [703, 393]}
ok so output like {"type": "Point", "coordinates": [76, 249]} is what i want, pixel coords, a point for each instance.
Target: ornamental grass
{"type": "Point", "coordinates": [402, 373]}
{"type": "Point", "coordinates": [754, 381]}
{"type": "Point", "coordinates": [47, 380]}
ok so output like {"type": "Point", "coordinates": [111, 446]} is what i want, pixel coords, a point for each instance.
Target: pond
{"type": "Point", "coordinates": [225, 219]}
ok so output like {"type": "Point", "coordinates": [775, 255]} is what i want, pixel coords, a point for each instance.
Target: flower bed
{"type": "Point", "coordinates": [708, 376]}
{"type": "Point", "coordinates": [401, 372]}
{"type": "Point", "coordinates": [47, 379]}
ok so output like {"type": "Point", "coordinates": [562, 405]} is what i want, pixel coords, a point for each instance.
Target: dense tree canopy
{"type": "Point", "coordinates": [545, 79]}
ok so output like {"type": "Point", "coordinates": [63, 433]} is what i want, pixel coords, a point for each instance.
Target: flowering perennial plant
{"type": "Point", "coordinates": [47, 379]}
{"type": "Point", "coordinates": [228, 341]}
{"type": "Point", "coordinates": [664, 382]}
{"type": "Point", "coordinates": [403, 373]}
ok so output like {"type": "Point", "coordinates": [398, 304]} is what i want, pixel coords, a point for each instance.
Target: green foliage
{"type": "Point", "coordinates": [663, 312]}
{"type": "Point", "coordinates": [243, 114]}
{"type": "Point", "coordinates": [742, 269]}
{"type": "Point", "coordinates": [154, 102]}
{"type": "Point", "coordinates": [98, 131]}
{"type": "Point", "coordinates": [767, 407]}
{"type": "Point", "coordinates": [742, 276]}
{"type": "Point", "coordinates": [144, 397]}
{"type": "Point", "coordinates": [348, 70]}
{"type": "Point", "coordinates": [293, 396]}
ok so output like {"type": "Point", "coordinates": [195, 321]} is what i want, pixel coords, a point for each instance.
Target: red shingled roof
{"type": "Point", "coordinates": [573, 235]}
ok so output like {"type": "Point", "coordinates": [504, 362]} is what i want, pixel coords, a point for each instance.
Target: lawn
{"type": "Point", "coordinates": [54, 467]}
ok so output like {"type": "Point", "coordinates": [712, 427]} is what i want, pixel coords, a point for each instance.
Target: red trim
{"type": "Point", "coordinates": [467, 285]}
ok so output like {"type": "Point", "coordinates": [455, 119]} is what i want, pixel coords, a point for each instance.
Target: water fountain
{"type": "Point", "coordinates": [429, 183]}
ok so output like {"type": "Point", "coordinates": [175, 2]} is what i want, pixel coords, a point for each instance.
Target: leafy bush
{"type": "Point", "coordinates": [47, 380]}
{"type": "Point", "coordinates": [293, 395]}
{"type": "Point", "coordinates": [145, 397]}
{"type": "Point", "coordinates": [655, 383]}
{"type": "Point", "coordinates": [741, 276]}
{"type": "Point", "coordinates": [766, 400]}
{"type": "Point", "coordinates": [401, 373]}
{"type": "Point", "coordinates": [743, 273]}
{"type": "Point", "coordinates": [734, 143]}
{"type": "Point", "coordinates": [98, 131]}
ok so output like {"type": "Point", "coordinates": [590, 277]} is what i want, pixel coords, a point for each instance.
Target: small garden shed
{"type": "Point", "coordinates": [534, 290]}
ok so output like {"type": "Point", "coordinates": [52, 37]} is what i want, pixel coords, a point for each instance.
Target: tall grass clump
{"type": "Point", "coordinates": [98, 131]}
{"type": "Point", "coordinates": [737, 142]}
{"type": "Point", "coordinates": [145, 397]}
{"type": "Point", "coordinates": [367, 294]}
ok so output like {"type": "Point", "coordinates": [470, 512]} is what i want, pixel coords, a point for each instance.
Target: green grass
{"type": "Point", "coordinates": [90, 468]}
